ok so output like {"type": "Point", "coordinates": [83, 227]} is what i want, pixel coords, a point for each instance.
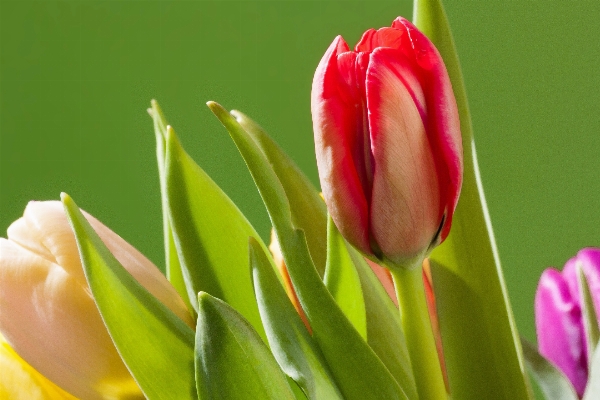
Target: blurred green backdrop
{"type": "Point", "coordinates": [77, 76]}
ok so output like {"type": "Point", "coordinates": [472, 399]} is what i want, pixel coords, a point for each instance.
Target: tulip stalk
{"type": "Point", "coordinates": [416, 322]}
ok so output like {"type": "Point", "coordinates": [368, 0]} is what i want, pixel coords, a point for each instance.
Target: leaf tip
{"type": "Point", "coordinates": [217, 109]}
{"type": "Point", "coordinates": [64, 197]}
{"type": "Point", "coordinates": [237, 115]}
{"type": "Point", "coordinates": [68, 202]}
{"type": "Point", "coordinates": [203, 297]}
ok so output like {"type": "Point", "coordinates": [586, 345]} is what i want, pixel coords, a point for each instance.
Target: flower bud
{"type": "Point", "coordinates": [47, 312]}
{"type": "Point", "coordinates": [388, 143]}
{"type": "Point", "coordinates": [558, 315]}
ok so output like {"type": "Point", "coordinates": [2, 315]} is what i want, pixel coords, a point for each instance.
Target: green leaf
{"type": "Point", "coordinates": [357, 370]}
{"type": "Point", "coordinates": [291, 344]}
{"type": "Point", "coordinates": [364, 301]}
{"type": "Point", "coordinates": [211, 234]}
{"type": "Point", "coordinates": [360, 374]}
{"type": "Point", "coordinates": [156, 346]}
{"type": "Point", "coordinates": [308, 209]}
{"type": "Point", "coordinates": [468, 280]}
{"type": "Point", "coordinates": [590, 320]}
{"type": "Point", "coordinates": [592, 390]}
{"type": "Point", "coordinates": [384, 328]}
{"type": "Point", "coordinates": [173, 267]}
{"type": "Point", "coordinates": [551, 381]}
{"type": "Point", "coordinates": [232, 361]}
{"type": "Point", "coordinates": [342, 280]}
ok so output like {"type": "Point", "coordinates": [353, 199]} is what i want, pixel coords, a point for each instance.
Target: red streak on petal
{"type": "Point", "coordinates": [433, 316]}
{"type": "Point", "coordinates": [385, 277]}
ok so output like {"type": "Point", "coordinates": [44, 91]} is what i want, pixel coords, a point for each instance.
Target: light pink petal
{"type": "Point", "coordinates": [44, 230]}
{"type": "Point", "coordinates": [443, 124]}
{"type": "Point", "coordinates": [405, 206]}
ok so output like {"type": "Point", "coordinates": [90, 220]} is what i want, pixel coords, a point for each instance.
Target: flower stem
{"type": "Point", "coordinates": [410, 291]}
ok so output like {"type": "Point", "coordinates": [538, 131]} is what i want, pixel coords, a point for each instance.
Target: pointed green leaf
{"type": "Point", "coordinates": [342, 280]}
{"type": "Point", "coordinates": [308, 209]}
{"type": "Point", "coordinates": [590, 320]}
{"type": "Point", "coordinates": [173, 267]}
{"type": "Point", "coordinates": [592, 390]}
{"type": "Point", "coordinates": [342, 346]}
{"type": "Point", "coordinates": [211, 234]}
{"type": "Point", "coordinates": [291, 344]}
{"type": "Point", "coordinates": [232, 361]}
{"type": "Point", "coordinates": [551, 381]}
{"type": "Point", "coordinates": [156, 346]}
{"type": "Point", "coordinates": [468, 260]}
{"type": "Point", "coordinates": [384, 328]}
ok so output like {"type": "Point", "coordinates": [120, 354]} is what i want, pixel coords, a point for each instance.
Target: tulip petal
{"type": "Point", "coordinates": [589, 260]}
{"type": "Point", "coordinates": [405, 204]}
{"type": "Point", "coordinates": [384, 37]}
{"type": "Point", "coordinates": [385, 278]}
{"type": "Point", "coordinates": [19, 381]}
{"type": "Point", "coordinates": [560, 332]}
{"type": "Point", "coordinates": [50, 319]}
{"type": "Point", "coordinates": [443, 123]}
{"type": "Point", "coordinates": [47, 312]}
{"type": "Point", "coordinates": [334, 124]}
{"type": "Point", "coordinates": [43, 230]}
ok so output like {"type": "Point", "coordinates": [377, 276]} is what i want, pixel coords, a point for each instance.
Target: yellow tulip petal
{"type": "Point", "coordinates": [20, 381]}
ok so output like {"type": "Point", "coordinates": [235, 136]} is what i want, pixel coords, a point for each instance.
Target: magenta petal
{"type": "Point", "coordinates": [335, 127]}
{"type": "Point", "coordinates": [589, 260]}
{"type": "Point", "coordinates": [559, 328]}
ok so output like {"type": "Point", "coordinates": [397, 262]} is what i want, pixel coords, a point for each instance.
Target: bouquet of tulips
{"type": "Point", "coordinates": [387, 285]}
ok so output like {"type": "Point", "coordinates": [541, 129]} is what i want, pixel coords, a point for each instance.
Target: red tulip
{"type": "Point", "coordinates": [388, 143]}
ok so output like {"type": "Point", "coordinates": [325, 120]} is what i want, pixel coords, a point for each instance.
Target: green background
{"type": "Point", "coordinates": [77, 76]}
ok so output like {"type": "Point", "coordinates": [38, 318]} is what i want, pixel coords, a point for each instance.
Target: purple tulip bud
{"type": "Point", "coordinates": [558, 318]}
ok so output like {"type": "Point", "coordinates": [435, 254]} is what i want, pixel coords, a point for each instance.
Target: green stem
{"type": "Point", "coordinates": [410, 291]}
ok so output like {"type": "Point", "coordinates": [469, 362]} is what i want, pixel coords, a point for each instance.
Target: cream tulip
{"type": "Point", "coordinates": [47, 311]}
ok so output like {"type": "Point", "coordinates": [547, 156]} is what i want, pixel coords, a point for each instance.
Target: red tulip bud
{"type": "Point", "coordinates": [388, 143]}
